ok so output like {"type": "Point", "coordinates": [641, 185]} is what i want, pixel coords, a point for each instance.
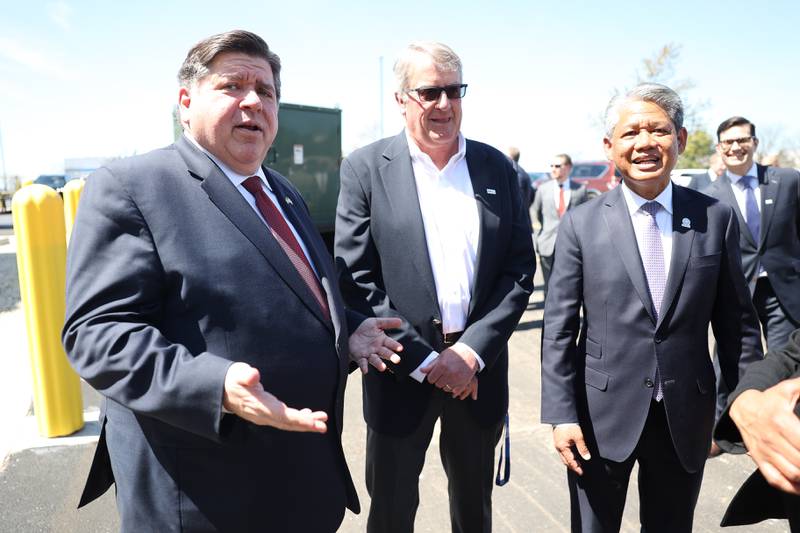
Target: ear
{"type": "Point", "coordinates": [683, 135]}
{"type": "Point", "coordinates": [184, 101]}
{"type": "Point", "coordinates": [608, 146]}
{"type": "Point", "coordinates": [401, 102]}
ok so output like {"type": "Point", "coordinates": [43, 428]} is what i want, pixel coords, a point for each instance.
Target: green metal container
{"type": "Point", "coordinates": [308, 151]}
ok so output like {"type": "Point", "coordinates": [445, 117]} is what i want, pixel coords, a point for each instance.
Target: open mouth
{"type": "Point", "coordinates": [647, 161]}
{"type": "Point", "coordinates": [250, 127]}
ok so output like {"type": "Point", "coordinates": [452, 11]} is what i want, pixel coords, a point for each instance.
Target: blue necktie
{"type": "Point", "coordinates": [752, 216]}
{"type": "Point", "coordinates": [653, 261]}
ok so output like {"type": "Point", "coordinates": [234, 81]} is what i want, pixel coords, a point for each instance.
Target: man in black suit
{"type": "Point", "coordinates": [767, 205]}
{"type": "Point", "coordinates": [200, 298]}
{"type": "Point", "coordinates": [762, 419]}
{"type": "Point", "coordinates": [650, 264]}
{"type": "Point", "coordinates": [430, 228]}
{"type": "Point", "coordinates": [525, 185]}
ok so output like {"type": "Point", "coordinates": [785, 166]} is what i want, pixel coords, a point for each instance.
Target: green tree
{"type": "Point", "coordinates": [699, 147]}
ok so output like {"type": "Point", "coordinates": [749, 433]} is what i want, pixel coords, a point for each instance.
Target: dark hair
{"type": "Point", "coordinates": [735, 121]}
{"type": "Point", "coordinates": [200, 57]}
{"type": "Point", "coordinates": [567, 159]}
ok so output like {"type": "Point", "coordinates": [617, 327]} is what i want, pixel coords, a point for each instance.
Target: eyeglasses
{"type": "Point", "coordinates": [555, 166]}
{"type": "Point", "coordinates": [742, 141]}
{"type": "Point", "coordinates": [432, 94]}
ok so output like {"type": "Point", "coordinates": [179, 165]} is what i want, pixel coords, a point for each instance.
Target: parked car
{"type": "Point", "coordinates": [54, 181]}
{"type": "Point", "coordinates": [597, 176]}
{"type": "Point", "coordinates": [694, 178]}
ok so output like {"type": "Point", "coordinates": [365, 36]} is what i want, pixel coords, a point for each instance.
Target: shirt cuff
{"type": "Point", "coordinates": [481, 364]}
{"type": "Point", "coordinates": [417, 373]}
{"type": "Point", "coordinates": [565, 424]}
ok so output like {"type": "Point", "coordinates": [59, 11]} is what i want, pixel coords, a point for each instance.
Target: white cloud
{"type": "Point", "coordinates": [60, 13]}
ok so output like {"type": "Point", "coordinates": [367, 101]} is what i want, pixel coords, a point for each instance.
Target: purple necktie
{"type": "Point", "coordinates": [749, 183]}
{"type": "Point", "coordinates": [653, 260]}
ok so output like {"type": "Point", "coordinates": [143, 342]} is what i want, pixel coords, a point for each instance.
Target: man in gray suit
{"type": "Point", "coordinates": [554, 198]}
{"type": "Point", "coordinates": [200, 298]}
{"type": "Point", "coordinates": [431, 228]}
{"type": "Point", "coordinates": [649, 265]}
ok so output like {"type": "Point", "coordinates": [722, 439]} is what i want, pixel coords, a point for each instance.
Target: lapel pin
{"type": "Point", "coordinates": [491, 191]}
{"type": "Point", "coordinates": [289, 201]}
{"type": "Point", "coordinates": [686, 223]}
{"type": "Point", "coordinates": [768, 201]}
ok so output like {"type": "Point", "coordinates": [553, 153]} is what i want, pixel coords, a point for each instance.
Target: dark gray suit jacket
{"type": "Point", "coordinates": [778, 247]}
{"type": "Point", "coordinates": [756, 500]}
{"type": "Point", "coordinates": [599, 373]}
{"type": "Point", "coordinates": [382, 254]}
{"type": "Point", "coordinates": [171, 277]}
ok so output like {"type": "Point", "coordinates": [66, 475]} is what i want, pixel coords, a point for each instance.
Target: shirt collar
{"type": "Point", "coordinates": [634, 201]}
{"type": "Point", "coordinates": [418, 155]}
{"type": "Point", "coordinates": [235, 177]}
{"type": "Point", "coordinates": [736, 177]}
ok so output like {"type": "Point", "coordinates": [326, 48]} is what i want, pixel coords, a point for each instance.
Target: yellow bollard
{"type": "Point", "coordinates": [41, 259]}
{"type": "Point", "coordinates": [72, 194]}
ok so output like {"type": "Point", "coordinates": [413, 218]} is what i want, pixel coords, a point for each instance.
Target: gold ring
{"type": "Point", "coordinates": [447, 388]}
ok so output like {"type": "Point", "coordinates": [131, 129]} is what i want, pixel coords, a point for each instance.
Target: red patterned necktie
{"type": "Point", "coordinates": [283, 234]}
{"type": "Point", "coordinates": [562, 205]}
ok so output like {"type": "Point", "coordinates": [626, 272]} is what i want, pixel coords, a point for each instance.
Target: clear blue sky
{"type": "Point", "coordinates": [93, 78]}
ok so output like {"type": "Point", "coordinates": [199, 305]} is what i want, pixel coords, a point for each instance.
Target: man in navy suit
{"type": "Point", "coordinates": [766, 201]}
{"type": "Point", "coordinates": [431, 228]}
{"type": "Point", "coordinates": [650, 264]}
{"type": "Point", "coordinates": [202, 304]}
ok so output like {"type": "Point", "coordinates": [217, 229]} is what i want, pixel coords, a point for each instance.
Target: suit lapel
{"type": "Point", "coordinates": [684, 221]}
{"type": "Point", "coordinates": [488, 213]}
{"type": "Point", "coordinates": [224, 195]}
{"type": "Point", "coordinates": [726, 195]}
{"type": "Point", "coordinates": [621, 234]}
{"type": "Point", "coordinates": [770, 192]}
{"type": "Point", "coordinates": [397, 176]}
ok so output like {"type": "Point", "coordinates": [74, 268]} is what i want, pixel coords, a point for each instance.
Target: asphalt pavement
{"type": "Point", "coordinates": [41, 479]}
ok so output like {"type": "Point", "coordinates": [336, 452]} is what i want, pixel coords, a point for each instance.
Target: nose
{"type": "Point", "coordinates": [443, 102]}
{"type": "Point", "coordinates": [644, 138]}
{"type": "Point", "coordinates": [251, 100]}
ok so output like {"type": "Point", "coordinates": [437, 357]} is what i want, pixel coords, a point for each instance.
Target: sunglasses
{"type": "Point", "coordinates": [432, 94]}
{"type": "Point", "coordinates": [555, 166]}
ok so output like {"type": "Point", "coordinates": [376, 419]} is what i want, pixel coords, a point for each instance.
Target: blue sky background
{"type": "Point", "coordinates": [95, 78]}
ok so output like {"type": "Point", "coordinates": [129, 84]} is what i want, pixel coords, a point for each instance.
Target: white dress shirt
{"type": "Point", "coordinates": [741, 200]}
{"type": "Point", "coordinates": [452, 230]}
{"type": "Point", "coordinates": [238, 180]}
{"type": "Point", "coordinates": [639, 219]}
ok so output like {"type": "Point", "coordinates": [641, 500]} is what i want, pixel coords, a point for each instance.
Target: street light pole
{"type": "Point", "coordinates": [380, 96]}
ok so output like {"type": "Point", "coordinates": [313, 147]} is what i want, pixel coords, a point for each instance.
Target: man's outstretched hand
{"type": "Point", "coordinates": [369, 344]}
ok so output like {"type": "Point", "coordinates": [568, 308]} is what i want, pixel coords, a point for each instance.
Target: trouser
{"type": "Point", "coordinates": [667, 493]}
{"type": "Point", "coordinates": [394, 465]}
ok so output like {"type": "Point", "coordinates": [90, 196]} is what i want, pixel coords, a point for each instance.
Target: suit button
{"type": "Point", "coordinates": [648, 383]}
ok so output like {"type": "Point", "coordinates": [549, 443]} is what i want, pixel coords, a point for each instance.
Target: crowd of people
{"type": "Point", "coordinates": [203, 305]}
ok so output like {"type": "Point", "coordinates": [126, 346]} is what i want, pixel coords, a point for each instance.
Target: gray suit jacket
{"type": "Point", "coordinates": [599, 372]}
{"type": "Point", "coordinates": [545, 210]}
{"type": "Point", "coordinates": [382, 254]}
{"type": "Point", "coordinates": [172, 276]}
{"type": "Point", "coordinates": [778, 246]}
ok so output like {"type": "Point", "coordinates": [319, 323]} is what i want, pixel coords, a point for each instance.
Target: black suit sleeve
{"type": "Point", "coordinates": [777, 366]}
{"type": "Point", "coordinates": [113, 307]}
{"type": "Point", "coordinates": [359, 268]}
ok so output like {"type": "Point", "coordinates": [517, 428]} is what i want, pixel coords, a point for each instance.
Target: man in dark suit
{"type": "Point", "coordinates": [553, 199]}
{"type": "Point", "coordinates": [430, 228]}
{"type": "Point", "coordinates": [762, 419]}
{"type": "Point", "coordinates": [767, 205]}
{"type": "Point", "coordinates": [200, 298]}
{"type": "Point", "coordinates": [650, 264]}
{"type": "Point", "coordinates": [524, 179]}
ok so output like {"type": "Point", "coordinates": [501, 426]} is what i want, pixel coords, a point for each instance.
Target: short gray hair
{"type": "Point", "coordinates": [655, 93]}
{"type": "Point", "coordinates": [195, 66]}
{"type": "Point", "coordinates": [442, 55]}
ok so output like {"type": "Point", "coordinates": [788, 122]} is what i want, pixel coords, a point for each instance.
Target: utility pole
{"type": "Point", "coordinates": [3, 157]}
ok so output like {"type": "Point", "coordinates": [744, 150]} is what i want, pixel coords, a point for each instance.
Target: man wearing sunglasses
{"type": "Point", "coordinates": [767, 204]}
{"type": "Point", "coordinates": [430, 227]}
